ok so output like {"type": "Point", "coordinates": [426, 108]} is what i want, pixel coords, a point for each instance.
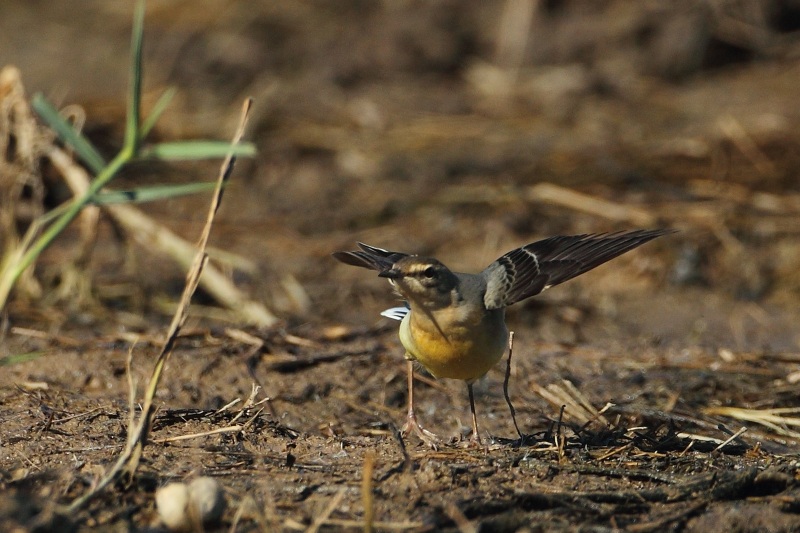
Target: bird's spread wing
{"type": "Point", "coordinates": [370, 257]}
{"type": "Point", "coordinates": [529, 270]}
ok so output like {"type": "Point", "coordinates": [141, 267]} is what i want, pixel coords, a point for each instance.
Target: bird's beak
{"type": "Point", "coordinates": [392, 273]}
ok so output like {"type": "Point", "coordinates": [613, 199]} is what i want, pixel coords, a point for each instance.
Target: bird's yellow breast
{"type": "Point", "coordinates": [452, 346]}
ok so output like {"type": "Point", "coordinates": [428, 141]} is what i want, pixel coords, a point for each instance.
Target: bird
{"type": "Point", "coordinates": [453, 323]}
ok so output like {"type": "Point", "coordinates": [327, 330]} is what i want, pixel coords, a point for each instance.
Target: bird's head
{"type": "Point", "coordinates": [422, 280]}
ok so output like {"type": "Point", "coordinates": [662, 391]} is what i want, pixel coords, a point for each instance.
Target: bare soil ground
{"type": "Point", "coordinates": [448, 129]}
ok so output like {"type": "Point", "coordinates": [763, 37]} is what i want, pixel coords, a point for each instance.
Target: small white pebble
{"type": "Point", "coordinates": [182, 507]}
{"type": "Point", "coordinates": [172, 501]}
{"type": "Point", "coordinates": [726, 355]}
{"type": "Point", "coordinates": [207, 499]}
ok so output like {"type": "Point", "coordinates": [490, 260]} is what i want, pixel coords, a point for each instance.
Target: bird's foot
{"type": "Point", "coordinates": [430, 439]}
{"type": "Point", "coordinates": [473, 443]}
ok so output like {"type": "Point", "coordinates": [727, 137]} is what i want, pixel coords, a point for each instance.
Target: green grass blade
{"type": "Point", "coordinates": [158, 109]}
{"type": "Point", "coordinates": [48, 216]}
{"type": "Point", "coordinates": [150, 194]}
{"type": "Point", "coordinates": [20, 358]}
{"type": "Point", "coordinates": [132, 137]}
{"type": "Point", "coordinates": [194, 150]}
{"type": "Point", "coordinates": [83, 148]}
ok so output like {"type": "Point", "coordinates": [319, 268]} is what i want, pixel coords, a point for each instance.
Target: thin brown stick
{"type": "Point", "coordinates": [734, 131]}
{"type": "Point", "coordinates": [391, 526]}
{"type": "Point", "coordinates": [128, 461]}
{"type": "Point", "coordinates": [323, 516]}
{"type": "Point", "coordinates": [562, 196]}
{"type": "Point", "coordinates": [505, 384]}
{"type": "Point", "coordinates": [731, 439]}
{"type": "Point", "coordinates": [367, 497]}
{"type": "Point", "coordinates": [218, 431]}
{"type": "Point", "coordinates": [152, 234]}
{"type": "Point", "coordinates": [192, 282]}
{"type": "Point", "coordinates": [463, 523]}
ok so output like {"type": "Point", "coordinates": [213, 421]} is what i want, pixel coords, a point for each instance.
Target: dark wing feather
{"type": "Point", "coordinates": [527, 271]}
{"type": "Point", "coordinates": [370, 257]}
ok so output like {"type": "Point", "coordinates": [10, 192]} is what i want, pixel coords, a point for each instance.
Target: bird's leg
{"type": "Point", "coordinates": [411, 419]}
{"type": "Point", "coordinates": [476, 438]}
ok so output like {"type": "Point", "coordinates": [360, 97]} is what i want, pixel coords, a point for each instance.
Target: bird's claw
{"type": "Point", "coordinates": [430, 439]}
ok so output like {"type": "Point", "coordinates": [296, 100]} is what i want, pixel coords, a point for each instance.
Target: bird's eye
{"type": "Point", "coordinates": [430, 272]}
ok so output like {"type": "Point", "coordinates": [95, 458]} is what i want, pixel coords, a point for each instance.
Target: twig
{"type": "Point", "coordinates": [505, 384]}
{"type": "Point", "coordinates": [249, 403]}
{"type": "Point", "coordinates": [584, 402]}
{"type": "Point", "coordinates": [332, 505]}
{"type": "Point", "coordinates": [463, 523]}
{"type": "Point", "coordinates": [354, 524]}
{"type": "Point", "coordinates": [514, 33]}
{"type": "Point", "coordinates": [555, 194]}
{"type": "Point", "coordinates": [730, 439]}
{"type": "Point", "coordinates": [734, 131]}
{"type": "Point", "coordinates": [615, 451]}
{"type": "Point", "coordinates": [239, 513]}
{"type": "Point", "coordinates": [294, 364]}
{"type": "Point", "coordinates": [192, 282]}
{"type": "Point", "coordinates": [366, 490]}
{"type": "Point", "coordinates": [148, 232]}
{"type": "Point", "coordinates": [77, 180]}
{"type": "Point", "coordinates": [398, 436]}
{"type": "Point", "coordinates": [774, 419]}
{"type": "Point", "coordinates": [218, 431]}
{"type": "Point", "coordinates": [79, 415]}
{"type": "Point", "coordinates": [560, 438]}
{"type": "Point", "coordinates": [567, 396]}
{"type": "Point", "coordinates": [128, 461]}
{"type": "Point", "coordinates": [227, 406]}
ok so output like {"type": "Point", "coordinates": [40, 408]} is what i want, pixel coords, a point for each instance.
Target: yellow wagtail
{"type": "Point", "coordinates": [454, 324]}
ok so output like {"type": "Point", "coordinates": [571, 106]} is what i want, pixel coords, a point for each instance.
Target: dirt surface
{"type": "Point", "coordinates": [447, 129]}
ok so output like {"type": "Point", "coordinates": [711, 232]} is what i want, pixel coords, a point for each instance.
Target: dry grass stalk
{"type": "Point", "coordinates": [192, 282]}
{"type": "Point", "coordinates": [355, 524]}
{"type": "Point", "coordinates": [218, 431]}
{"type": "Point", "coordinates": [513, 32]}
{"type": "Point", "coordinates": [463, 523]}
{"type": "Point", "coordinates": [22, 143]}
{"type": "Point", "coordinates": [319, 521]}
{"type": "Point", "coordinates": [730, 439]}
{"type": "Point", "coordinates": [549, 193]}
{"type": "Point", "coordinates": [576, 406]}
{"type": "Point", "coordinates": [736, 133]}
{"type": "Point", "coordinates": [26, 143]}
{"type": "Point", "coordinates": [153, 235]}
{"type": "Point", "coordinates": [564, 197]}
{"type": "Point", "coordinates": [367, 497]}
{"type": "Point", "coordinates": [75, 284]}
{"type": "Point", "coordinates": [775, 418]}
{"type": "Point", "coordinates": [128, 460]}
